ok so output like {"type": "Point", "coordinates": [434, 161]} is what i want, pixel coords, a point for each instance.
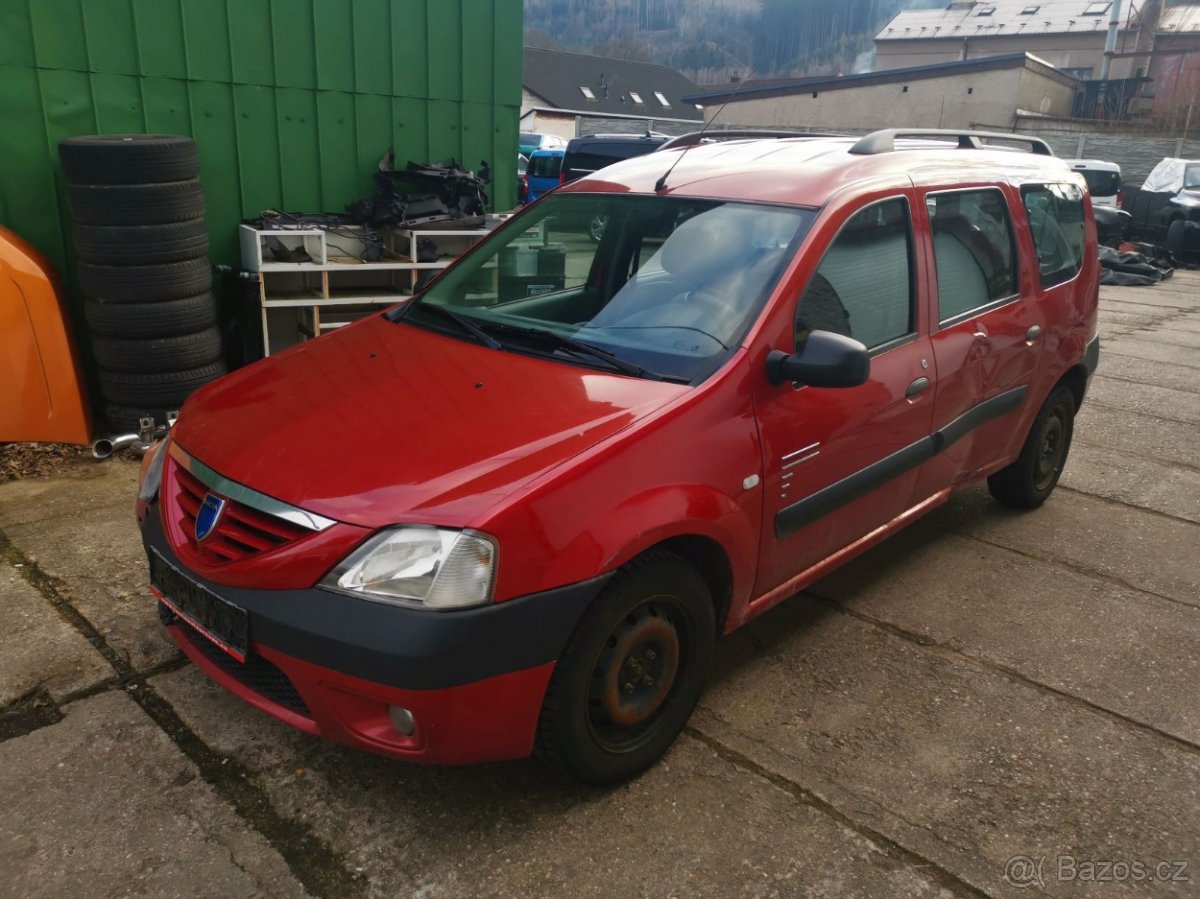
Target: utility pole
{"type": "Point", "coordinates": [1110, 42]}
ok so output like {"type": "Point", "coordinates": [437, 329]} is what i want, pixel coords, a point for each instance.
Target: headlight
{"type": "Point", "coordinates": [417, 564]}
{"type": "Point", "coordinates": [152, 469]}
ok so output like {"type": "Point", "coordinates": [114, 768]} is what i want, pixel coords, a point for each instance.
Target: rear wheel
{"type": "Point", "coordinates": [1174, 240]}
{"type": "Point", "coordinates": [631, 673]}
{"type": "Point", "coordinates": [1030, 480]}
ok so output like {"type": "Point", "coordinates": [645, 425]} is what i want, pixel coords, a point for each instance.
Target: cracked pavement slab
{"type": "Point", "coordinates": [103, 804]}
{"type": "Point", "coordinates": [39, 651]}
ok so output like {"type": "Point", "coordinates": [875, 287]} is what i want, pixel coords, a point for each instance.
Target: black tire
{"type": "Point", "coordinates": [169, 318]}
{"type": "Point", "coordinates": [127, 419]}
{"type": "Point", "coordinates": [1030, 480]}
{"type": "Point", "coordinates": [596, 227]}
{"type": "Point", "coordinates": [160, 354]}
{"type": "Point", "coordinates": [136, 204]}
{"type": "Point", "coordinates": [141, 244]}
{"type": "Point", "coordinates": [128, 158]}
{"type": "Point", "coordinates": [1174, 239]}
{"type": "Point", "coordinates": [655, 610]}
{"type": "Point", "coordinates": [144, 283]}
{"type": "Point", "coordinates": [167, 390]}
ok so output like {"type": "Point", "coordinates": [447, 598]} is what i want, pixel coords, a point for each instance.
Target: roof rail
{"type": "Point", "coordinates": [884, 141]}
{"type": "Point", "coordinates": [693, 138]}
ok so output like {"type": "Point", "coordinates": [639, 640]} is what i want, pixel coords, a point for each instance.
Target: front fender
{"type": "Point", "coordinates": [629, 528]}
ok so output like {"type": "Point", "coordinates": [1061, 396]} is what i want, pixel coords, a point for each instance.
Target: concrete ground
{"type": "Point", "coordinates": [988, 689]}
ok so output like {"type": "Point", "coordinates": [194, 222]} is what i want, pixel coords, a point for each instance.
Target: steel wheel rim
{"type": "Point", "coordinates": [635, 674]}
{"type": "Point", "coordinates": [1052, 445]}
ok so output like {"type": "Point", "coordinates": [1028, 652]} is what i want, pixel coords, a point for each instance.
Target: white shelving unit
{"type": "Point", "coordinates": [338, 286]}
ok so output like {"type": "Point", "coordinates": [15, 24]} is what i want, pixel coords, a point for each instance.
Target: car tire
{"type": "Point", "coordinates": [596, 227]}
{"type": "Point", "coordinates": [128, 158]}
{"type": "Point", "coordinates": [141, 244]}
{"type": "Point", "coordinates": [631, 673]}
{"type": "Point", "coordinates": [159, 354]}
{"type": "Point", "coordinates": [1175, 238]}
{"type": "Point", "coordinates": [170, 318]}
{"type": "Point", "coordinates": [1029, 481]}
{"type": "Point", "coordinates": [144, 283]}
{"type": "Point", "coordinates": [136, 204]}
{"type": "Point", "coordinates": [165, 390]}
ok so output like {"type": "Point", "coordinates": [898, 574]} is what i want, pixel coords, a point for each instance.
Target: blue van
{"type": "Point", "coordinates": [543, 171]}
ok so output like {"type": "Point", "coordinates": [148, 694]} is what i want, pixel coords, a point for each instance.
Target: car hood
{"type": "Point", "coordinates": [384, 422]}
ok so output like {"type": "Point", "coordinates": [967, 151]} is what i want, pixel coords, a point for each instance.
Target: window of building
{"type": "Point", "coordinates": [636, 97]}
{"type": "Point", "coordinates": [1056, 219]}
{"type": "Point", "coordinates": [1081, 74]}
{"type": "Point", "coordinates": [863, 287]}
{"type": "Point", "coordinates": [1030, 10]}
{"type": "Point", "coordinates": [587, 92]}
{"type": "Point", "coordinates": [973, 250]}
{"type": "Point", "coordinates": [1097, 8]}
{"type": "Point", "coordinates": [662, 99]}
{"type": "Point", "coordinates": [985, 10]}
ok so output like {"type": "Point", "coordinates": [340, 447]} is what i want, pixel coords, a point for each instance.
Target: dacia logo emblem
{"type": "Point", "coordinates": [209, 516]}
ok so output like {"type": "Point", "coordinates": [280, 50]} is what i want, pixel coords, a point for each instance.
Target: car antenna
{"type": "Point", "coordinates": [661, 184]}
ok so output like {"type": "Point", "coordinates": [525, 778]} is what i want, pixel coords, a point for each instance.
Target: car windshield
{"type": "Point", "coordinates": [1191, 177]}
{"type": "Point", "coordinates": [656, 287]}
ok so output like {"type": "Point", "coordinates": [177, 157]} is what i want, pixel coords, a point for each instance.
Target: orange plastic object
{"type": "Point", "coordinates": [42, 394]}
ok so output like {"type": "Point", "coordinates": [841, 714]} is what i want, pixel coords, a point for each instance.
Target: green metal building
{"type": "Point", "coordinates": [292, 102]}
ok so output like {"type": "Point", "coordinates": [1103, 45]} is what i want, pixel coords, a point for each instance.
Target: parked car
{"type": "Point", "coordinates": [543, 172]}
{"type": "Point", "coordinates": [1103, 180]}
{"type": "Point", "coordinates": [587, 155]}
{"type": "Point", "coordinates": [1166, 208]}
{"type": "Point", "coordinates": [515, 513]}
{"type": "Point", "coordinates": [531, 140]}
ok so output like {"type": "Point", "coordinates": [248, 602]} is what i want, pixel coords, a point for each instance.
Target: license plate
{"type": "Point", "coordinates": [220, 621]}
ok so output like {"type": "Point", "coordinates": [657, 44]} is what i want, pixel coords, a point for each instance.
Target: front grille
{"type": "Point", "coordinates": [241, 532]}
{"type": "Point", "coordinates": [256, 673]}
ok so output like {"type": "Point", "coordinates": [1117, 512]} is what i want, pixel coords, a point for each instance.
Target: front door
{"type": "Point", "coordinates": [839, 463]}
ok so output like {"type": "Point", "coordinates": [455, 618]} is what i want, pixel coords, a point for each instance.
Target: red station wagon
{"type": "Point", "coordinates": [514, 514]}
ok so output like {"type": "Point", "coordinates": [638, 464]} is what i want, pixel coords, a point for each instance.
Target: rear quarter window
{"type": "Point", "coordinates": [1055, 214]}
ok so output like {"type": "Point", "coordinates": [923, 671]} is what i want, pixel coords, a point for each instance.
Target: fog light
{"type": "Point", "coordinates": [402, 720]}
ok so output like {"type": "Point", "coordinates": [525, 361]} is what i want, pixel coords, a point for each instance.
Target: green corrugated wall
{"type": "Point", "coordinates": [292, 102]}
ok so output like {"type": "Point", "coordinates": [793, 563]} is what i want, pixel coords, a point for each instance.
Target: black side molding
{"type": "Point", "coordinates": [828, 499]}
{"type": "Point", "coordinates": [1091, 358]}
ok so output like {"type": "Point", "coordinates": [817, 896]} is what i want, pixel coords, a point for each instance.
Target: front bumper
{"type": "Point", "coordinates": [332, 665]}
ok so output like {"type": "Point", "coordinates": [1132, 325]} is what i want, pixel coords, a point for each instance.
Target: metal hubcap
{"type": "Point", "coordinates": [635, 670]}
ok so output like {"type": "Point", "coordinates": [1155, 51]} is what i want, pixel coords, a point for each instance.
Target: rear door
{"type": "Point", "coordinates": [988, 331]}
{"type": "Point", "coordinates": [840, 463]}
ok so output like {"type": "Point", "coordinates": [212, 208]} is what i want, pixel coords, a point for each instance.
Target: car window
{"type": "Point", "coordinates": [1056, 219]}
{"type": "Point", "coordinates": [1191, 177]}
{"type": "Point", "coordinates": [973, 250]}
{"type": "Point", "coordinates": [670, 285]}
{"type": "Point", "coordinates": [863, 287]}
{"type": "Point", "coordinates": [1101, 184]}
{"type": "Point", "coordinates": [545, 166]}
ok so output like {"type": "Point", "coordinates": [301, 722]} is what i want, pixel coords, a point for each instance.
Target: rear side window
{"type": "Point", "coordinates": [863, 287]}
{"type": "Point", "coordinates": [973, 249]}
{"type": "Point", "coordinates": [1101, 184]}
{"type": "Point", "coordinates": [544, 166]}
{"type": "Point", "coordinates": [1056, 219]}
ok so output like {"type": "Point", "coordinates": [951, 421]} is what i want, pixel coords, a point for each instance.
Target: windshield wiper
{"type": "Point", "coordinates": [464, 324]}
{"type": "Point", "coordinates": [580, 348]}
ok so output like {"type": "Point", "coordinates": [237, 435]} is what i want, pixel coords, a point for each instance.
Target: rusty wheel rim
{"type": "Point", "coordinates": [634, 674]}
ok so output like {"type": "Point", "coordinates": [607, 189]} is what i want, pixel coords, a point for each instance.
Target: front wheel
{"type": "Point", "coordinates": [632, 672]}
{"type": "Point", "coordinates": [596, 227]}
{"type": "Point", "coordinates": [1029, 481]}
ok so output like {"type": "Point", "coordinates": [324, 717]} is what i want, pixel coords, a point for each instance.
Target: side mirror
{"type": "Point", "coordinates": [825, 360]}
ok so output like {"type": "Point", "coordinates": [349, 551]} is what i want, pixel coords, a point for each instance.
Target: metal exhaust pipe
{"type": "Point", "coordinates": [106, 446]}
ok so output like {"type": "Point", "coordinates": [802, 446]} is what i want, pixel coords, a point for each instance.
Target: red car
{"type": "Point", "coordinates": [514, 514]}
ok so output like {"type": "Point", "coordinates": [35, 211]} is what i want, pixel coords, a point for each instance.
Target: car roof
{"type": "Point", "coordinates": [1099, 165]}
{"type": "Point", "coordinates": [807, 171]}
{"type": "Point", "coordinates": [549, 151]}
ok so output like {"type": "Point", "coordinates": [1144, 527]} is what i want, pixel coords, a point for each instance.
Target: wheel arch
{"type": "Point", "coordinates": [709, 558]}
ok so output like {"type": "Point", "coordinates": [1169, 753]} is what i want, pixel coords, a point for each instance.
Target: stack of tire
{"type": "Point", "coordinates": [141, 249]}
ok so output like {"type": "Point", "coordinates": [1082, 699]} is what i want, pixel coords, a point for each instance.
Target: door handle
{"type": "Point", "coordinates": [1033, 333]}
{"type": "Point", "coordinates": [920, 385]}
